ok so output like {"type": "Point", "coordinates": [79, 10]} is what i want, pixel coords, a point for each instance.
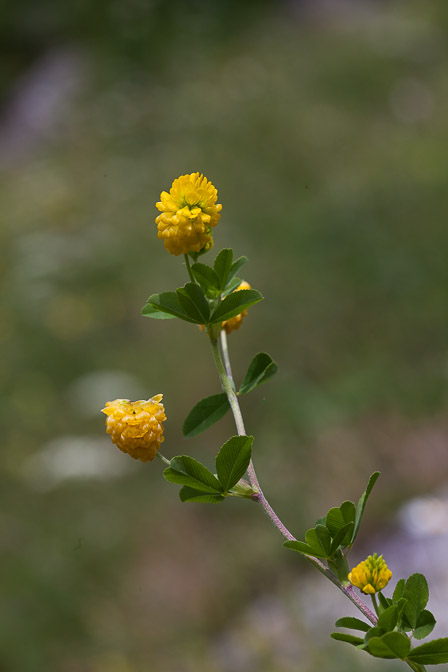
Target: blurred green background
{"type": "Point", "coordinates": [324, 127]}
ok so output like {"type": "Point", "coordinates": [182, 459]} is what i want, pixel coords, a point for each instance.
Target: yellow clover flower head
{"type": "Point", "coordinates": [189, 212]}
{"type": "Point", "coordinates": [371, 575]}
{"type": "Point", "coordinates": [136, 426]}
{"type": "Point", "coordinates": [235, 322]}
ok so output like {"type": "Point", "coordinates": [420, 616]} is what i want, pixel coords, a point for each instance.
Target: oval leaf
{"type": "Point", "coordinates": [168, 302]}
{"type": "Point", "coordinates": [234, 304]}
{"type": "Point", "coordinates": [192, 299]}
{"type": "Point", "coordinates": [205, 414]}
{"type": "Point", "coordinates": [207, 279]}
{"type": "Point", "coordinates": [362, 503]}
{"type": "Point", "coordinates": [301, 547]}
{"type": "Point", "coordinates": [150, 311]}
{"type": "Point", "coordinates": [345, 637]}
{"type": "Point", "coordinates": [185, 470]}
{"type": "Point", "coordinates": [233, 459]}
{"type": "Point", "coordinates": [390, 645]}
{"type": "Point", "coordinates": [261, 368]}
{"type": "Point", "coordinates": [431, 653]}
{"type": "Point", "coordinates": [425, 624]}
{"type": "Point", "coordinates": [222, 266]}
{"type": "Point", "coordinates": [388, 619]}
{"type": "Point", "coordinates": [416, 592]}
{"type": "Point", "coordinates": [188, 494]}
{"type": "Point", "coordinates": [353, 623]}
{"type": "Point", "coordinates": [340, 538]}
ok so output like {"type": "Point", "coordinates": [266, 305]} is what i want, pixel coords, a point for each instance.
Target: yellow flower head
{"type": "Point", "coordinates": [136, 426]}
{"type": "Point", "coordinates": [371, 575]}
{"type": "Point", "coordinates": [236, 322]}
{"type": "Point", "coordinates": [189, 212]}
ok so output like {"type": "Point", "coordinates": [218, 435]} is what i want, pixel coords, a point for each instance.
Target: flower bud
{"type": "Point", "coordinates": [371, 575]}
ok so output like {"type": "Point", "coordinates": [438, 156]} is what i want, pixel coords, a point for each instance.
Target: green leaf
{"type": "Point", "coordinates": [239, 263]}
{"type": "Point", "coordinates": [416, 593]}
{"type": "Point", "coordinates": [234, 304]}
{"type": "Point", "coordinates": [324, 537]}
{"type": "Point", "coordinates": [399, 589]}
{"type": "Point", "coordinates": [192, 299]}
{"type": "Point", "coordinates": [205, 414]}
{"type": "Point", "coordinates": [188, 494]}
{"type": "Point", "coordinates": [353, 623]}
{"type": "Point", "coordinates": [184, 470]}
{"type": "Point", "coordinates": [222, 266]}
{"type": "Point", "coordinates": [362, 503]}
{"type": "Point", "coordinates": [338, 518]}
{"type": "Point", "coordinates": [375, 631]}
{"type": "Point", "coordinates": [233, 459]}
{"type": "Point", "coordinates": [150, 311]}
{"type": "Point", "coordinates": [345, 637]}
{"type": "Point", "coordinates": [168, 302]}
{"type": "Point", "coordinates": [401, 605]}
{"type": "Point", "coordinates": [431, 653]}
{"type": "Point", "coordinates": [425, 624]}
{"type": "Point", "coordinates": [306, 549]}
{"type": "Point", "coordinates": [319, 540]}
{"type": "Point", "coordinates": [341, 535]}
{"type": "Point", "coordinates": [390, 645]}
{"type": "Point", "coordinates": [385, 602]}
{"type": "Point", "coordinates": [207, 279]}
{"type": "Point", "coordinates": [261, 368]}
{"type": "Point", "coordinates": [389, 618]}
{"type": "Point", "coordinates": [233, 284]}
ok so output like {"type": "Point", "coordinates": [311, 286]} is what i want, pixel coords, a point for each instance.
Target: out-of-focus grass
{"type": "Point", "coordinates": [326, 137]}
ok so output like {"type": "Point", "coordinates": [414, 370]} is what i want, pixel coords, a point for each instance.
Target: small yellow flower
{"type": "Point", "coordinates": [136, 426]}
{"type": "Point", "coordinates": [236, 322]}
{"type": "Point", "coordinates": [189, 212]}
{"type": "Point", "coordinates": [371, 575]}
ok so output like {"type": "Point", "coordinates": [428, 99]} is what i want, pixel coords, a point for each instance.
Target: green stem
{"type": "Point", "coordinates": [375, 603]}
{"type": "Point", "coordinates": [163, 459]}
{"type": "Point", "coordinates": [416, 666]}
{"type": "Point", "coordinates": [190, 273]}
{"type": "Point", "coordinates": [225, 374]}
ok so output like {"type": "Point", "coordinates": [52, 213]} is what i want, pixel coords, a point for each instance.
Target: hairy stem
{"type": "Point", "coordinates": [225, 374]}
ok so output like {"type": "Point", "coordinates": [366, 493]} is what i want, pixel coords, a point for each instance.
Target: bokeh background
{"type": "Point", "coordinates": [324, 127]}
